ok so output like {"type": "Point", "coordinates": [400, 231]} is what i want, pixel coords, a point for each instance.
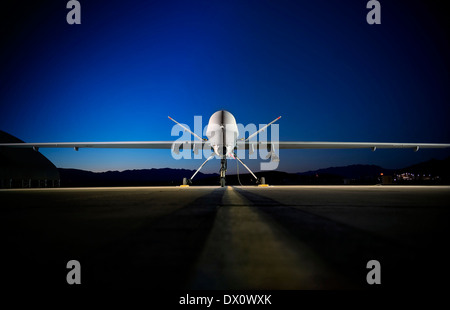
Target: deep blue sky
{"type": "Point", "coordinates": [318, 64]}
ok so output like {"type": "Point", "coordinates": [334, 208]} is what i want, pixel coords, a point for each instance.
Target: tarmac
{"type": "Point", "coordinates": [276, 237]}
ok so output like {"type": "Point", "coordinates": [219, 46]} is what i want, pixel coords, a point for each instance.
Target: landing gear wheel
{"type": "Point", "coordinates": [263, 180]}
{"type": "Point", "coordinates": [222, 182]}
{"type": "Point", "coordinates": [185, 181]}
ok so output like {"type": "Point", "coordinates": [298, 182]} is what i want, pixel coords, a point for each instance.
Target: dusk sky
{"type": "Point", "coordinates": [318, 64]}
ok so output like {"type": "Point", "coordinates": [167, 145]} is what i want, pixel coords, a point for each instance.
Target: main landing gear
{"type": "Point", "coordinates": [187, 182]}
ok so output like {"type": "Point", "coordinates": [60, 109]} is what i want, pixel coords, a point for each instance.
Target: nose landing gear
{"type": "Point", "coordinates": [223, 171]}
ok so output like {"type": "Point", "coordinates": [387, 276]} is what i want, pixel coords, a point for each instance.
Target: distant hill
{"type": "Point", "coordinates": [357, 174]}
{"type": "Point", "coordinates": [164, 176]}
{"type": "Point", "coordinates": [433, 167]}
{"type": "Point", "coordinates": [367, 174]}
{"type": "Point", "coordinates": [352, 171]}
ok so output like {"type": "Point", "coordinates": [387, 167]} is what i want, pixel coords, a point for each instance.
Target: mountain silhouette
{"type": "Point", "coordinates": [358, 174]}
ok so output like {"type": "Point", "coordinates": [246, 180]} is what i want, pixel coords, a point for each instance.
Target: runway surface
{"type": "Point", "coordinates": [283, 237]}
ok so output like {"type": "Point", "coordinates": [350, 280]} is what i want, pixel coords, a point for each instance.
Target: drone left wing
{"type": "Point", "coordinates": [174, 145]}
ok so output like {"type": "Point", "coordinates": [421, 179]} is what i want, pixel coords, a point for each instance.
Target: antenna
{"type": "Point", "coordinates": [254, 134]}
{"type": "Point", "coordinates": [195, 135]}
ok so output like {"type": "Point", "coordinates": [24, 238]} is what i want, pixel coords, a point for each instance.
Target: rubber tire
{"type": "Point", "coordinates": [222, 182]}
{"type": "Point", "coordinates": [185, 181]}
{"type": "Point", "coordinates": [263, 180]}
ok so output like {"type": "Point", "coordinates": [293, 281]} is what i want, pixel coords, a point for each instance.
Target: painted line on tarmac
{"type": "Point", "coordinates": [246, 250]}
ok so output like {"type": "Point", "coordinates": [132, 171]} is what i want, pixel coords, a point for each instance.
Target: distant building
{"type": "Point", "coordinates": [21, 168]}
{"type": "Point", "coordinates": [408, 176]}
{"type": "Point", "coordinates": [386, 179]}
